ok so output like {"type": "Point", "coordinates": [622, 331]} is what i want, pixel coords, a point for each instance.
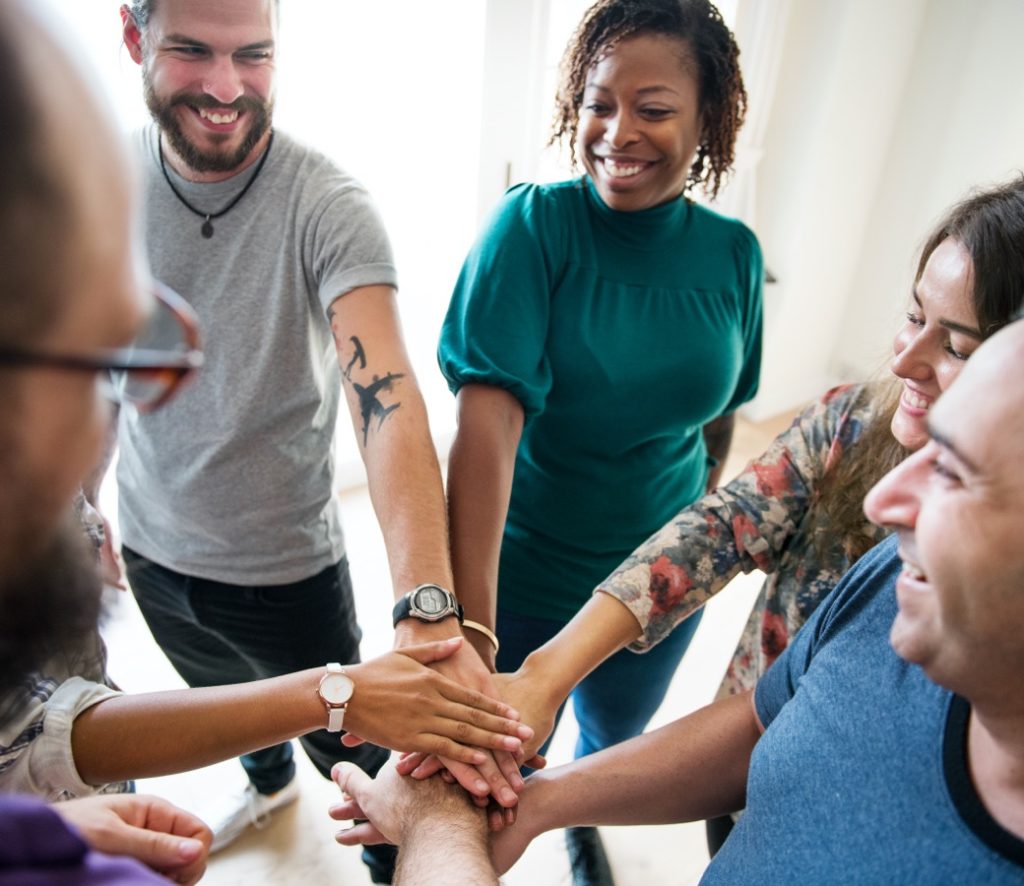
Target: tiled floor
{"type": "Point", "coordinates": [297, 847]}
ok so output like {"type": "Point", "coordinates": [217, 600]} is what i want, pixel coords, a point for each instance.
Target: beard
{"type": "Point", "coordinates": [50, 600]}
{"type": "Point", "coordinates": [163, 112]}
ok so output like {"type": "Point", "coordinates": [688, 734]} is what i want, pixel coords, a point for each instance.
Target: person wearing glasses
{"type": "Point", "coordinates": [77, 330]}
{"type": "Point", "coordinates": [231, 533]}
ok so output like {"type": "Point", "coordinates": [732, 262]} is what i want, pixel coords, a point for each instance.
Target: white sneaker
{"type": "Point", "coordinates": [248, 809]}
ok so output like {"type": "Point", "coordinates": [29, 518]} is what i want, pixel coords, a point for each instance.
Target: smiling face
{"type": "Point", "coordinates": [640, 122]}
{"type": "Point", "coordinates": [939, 334]}
{"type": "Point", "coordinates": [208, 72]}
{"type": "Point", "coordinates": [955, 506]}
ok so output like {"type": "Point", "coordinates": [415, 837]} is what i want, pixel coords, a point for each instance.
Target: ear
{"type": "Point", "coordinates": [131, 34]}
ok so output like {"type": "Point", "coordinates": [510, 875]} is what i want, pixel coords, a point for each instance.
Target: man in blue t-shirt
{"type": "Point", "coordinates": [887, 743]}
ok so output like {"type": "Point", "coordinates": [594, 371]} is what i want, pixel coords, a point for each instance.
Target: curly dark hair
{"type": "Point", "coordinates": [722, 96]}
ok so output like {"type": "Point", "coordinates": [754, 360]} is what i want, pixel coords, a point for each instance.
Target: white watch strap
{"type": "Point", "coordinates": [335, 719]}
{"type": "Point", "coordinates": [335, 716]}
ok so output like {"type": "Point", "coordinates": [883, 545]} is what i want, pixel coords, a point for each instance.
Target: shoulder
{"type": "Point", "coordinates": [867, 587]}
{"type": "Point", "coordinates": [724, 230]}
{"type": "Point", "coordinates": [307, 167]}
{"type": "Point", "coordinates": [538, 203]}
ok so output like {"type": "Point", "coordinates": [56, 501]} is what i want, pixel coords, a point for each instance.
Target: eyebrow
{"type": "Point", "coordinates": [952, 325]}
{"type": "Point", "coordinates": [191, 41]}
{"type": "Point", "coordinates": [644, 90]}
{"type": "Point", "coordinates": [946, 443]}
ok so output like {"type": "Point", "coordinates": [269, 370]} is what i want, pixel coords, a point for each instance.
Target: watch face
{"type": "Point", "coordinates": [336, 688]}
{"type": "Point", "coordinates": [431, 600]}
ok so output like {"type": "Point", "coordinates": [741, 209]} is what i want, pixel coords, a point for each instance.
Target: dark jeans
{"type": "Point", "coordinates": [617, 700]}
{"type": "Point", "coordinates": [217, 633]}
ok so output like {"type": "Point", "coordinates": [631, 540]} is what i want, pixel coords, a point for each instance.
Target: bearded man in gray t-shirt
{"type": "Point", "coordinates": [232, 539]}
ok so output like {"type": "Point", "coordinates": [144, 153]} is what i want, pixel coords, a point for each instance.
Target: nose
{"type": "Point", "coordinates": [895, 499]}
{"type": "Point", "coordinates": [222, 81]}
{"type": "Point", "coordinates": [911, 355]}
{"type": "Point", "coordinates": [620, 130]}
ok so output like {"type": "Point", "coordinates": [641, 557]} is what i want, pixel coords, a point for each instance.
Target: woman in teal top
{"type": "Point", "coordinates": [600, 335]}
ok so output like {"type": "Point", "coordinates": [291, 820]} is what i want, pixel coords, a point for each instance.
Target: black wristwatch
{"type": "Point", "coordinates": [427, 603]}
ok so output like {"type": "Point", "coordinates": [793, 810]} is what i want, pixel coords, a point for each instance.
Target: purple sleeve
{"type": "Point", "coordinates": [38, 849]}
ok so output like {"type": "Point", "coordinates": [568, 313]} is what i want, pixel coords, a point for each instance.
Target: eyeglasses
{"type": "Point", "coordinates": [149, 372]}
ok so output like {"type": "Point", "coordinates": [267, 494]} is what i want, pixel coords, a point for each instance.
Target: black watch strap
{"type": "Point", "coordinates": [406, 606]}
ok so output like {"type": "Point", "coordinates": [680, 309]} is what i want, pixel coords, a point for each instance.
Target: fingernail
{"type": "Point", "coordinates": [189, 848]}
{"type": "Point", "coordinates": [481, 786]}
{"type": "Point", "coordinates": [479, 757]}
{"type": "Point", "coordinates": [508, 797]}
{"type": "Point", "coordinates": [524, 732]}
{"type": "Point", "coordinates": [510, 744]}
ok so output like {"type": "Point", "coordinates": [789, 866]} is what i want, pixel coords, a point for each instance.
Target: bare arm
{"type": "Point", "coordinates": [443, 837]}
{"type": "Point", "coordinates": [390, 423]}
{"type": "Point", "coordinates": [718, 439]}
{"type": "Point", "coordinates": [480, 470]}
{"type": "Point", "coordinates": [691, 769]}
{"type": "Point", "coordinates": [397, 702]}
{"type": "Point", "coordinates": [601, 628]}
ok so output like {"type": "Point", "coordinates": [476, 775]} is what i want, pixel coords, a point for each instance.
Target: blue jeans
{"type": "Point", "coordinates": [617, 700]}
{"type": "Point", "coordinates": [217, 633]}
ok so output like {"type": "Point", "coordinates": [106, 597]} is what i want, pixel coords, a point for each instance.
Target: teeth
{"type": "Point", "coordinates": [912, 571]}
{"type": "Point", "coordinates": [230, 117]}
{"type": "Point", "coordinates": [916, 402]}
{"type": "Point", "coordinates": [622, 170]}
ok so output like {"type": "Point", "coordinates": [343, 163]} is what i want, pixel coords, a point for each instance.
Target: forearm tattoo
{"type": "Point", "coordinates": [372, 407]}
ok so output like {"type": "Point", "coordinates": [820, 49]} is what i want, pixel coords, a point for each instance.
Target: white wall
{"type": "Point", "coordinates": [961, 125]}
{"type": "Point", "coordinates": [839, 94]}
{"type": "Point", "coordinates": [886, 112]}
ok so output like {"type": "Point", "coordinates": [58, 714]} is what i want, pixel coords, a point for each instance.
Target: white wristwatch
{"type": "Point", "coordinates": [335, 691]}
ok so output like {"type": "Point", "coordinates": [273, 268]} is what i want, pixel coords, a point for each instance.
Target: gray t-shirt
{"type": "Point", "coordinates": [232, 480]}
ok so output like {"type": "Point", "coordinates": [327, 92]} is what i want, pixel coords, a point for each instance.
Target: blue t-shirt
{"type": "Point", "coordinates": [622, 334]}
{"type": "Point", "coordinates": [861, 775]}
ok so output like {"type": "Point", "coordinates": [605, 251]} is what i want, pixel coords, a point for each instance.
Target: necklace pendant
{"type": "Point", "coordinates": [207, 228]}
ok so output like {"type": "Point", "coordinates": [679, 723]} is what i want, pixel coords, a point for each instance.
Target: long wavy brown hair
{"type": "Point", "coordinates": [989, 224]}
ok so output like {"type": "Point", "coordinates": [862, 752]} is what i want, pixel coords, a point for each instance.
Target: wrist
{"type": "Point", "coordinates": [453, 820]}
{"type": "Point", "coordinates": [410, 631]}
{"type": "Point", "coordinates": [545, 671]}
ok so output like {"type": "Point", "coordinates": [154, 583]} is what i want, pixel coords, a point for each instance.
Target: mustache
{"type": "Point", "coordinates": [208, 102]}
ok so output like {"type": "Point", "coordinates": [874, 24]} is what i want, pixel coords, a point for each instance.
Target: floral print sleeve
{"type": "Point", "coordinates": [758, 521]}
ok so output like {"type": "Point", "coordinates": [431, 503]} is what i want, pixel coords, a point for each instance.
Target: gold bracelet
{"type": "Point", "coordinates": [482, 629]}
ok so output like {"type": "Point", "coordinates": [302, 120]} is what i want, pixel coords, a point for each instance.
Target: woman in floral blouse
{"type": "Point", "coordinates": [795, 512]}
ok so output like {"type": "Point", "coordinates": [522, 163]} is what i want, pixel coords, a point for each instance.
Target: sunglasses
{"type": "Point", "coordinates": [149, 372]}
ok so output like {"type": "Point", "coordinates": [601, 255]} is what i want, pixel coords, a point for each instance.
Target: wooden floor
{"type": "Point", "coordinates": [297, 849]}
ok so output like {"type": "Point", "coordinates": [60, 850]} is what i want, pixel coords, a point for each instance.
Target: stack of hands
{"type": "Point", "coordinates": [479, 787]}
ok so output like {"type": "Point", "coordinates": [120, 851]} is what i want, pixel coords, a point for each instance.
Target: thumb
{"type": "Point", "coordinates": [158, 850]}
{"type": "Point", "coordinates": [436, 650]}
{"type": "Point", "coordinates": [352, 780]}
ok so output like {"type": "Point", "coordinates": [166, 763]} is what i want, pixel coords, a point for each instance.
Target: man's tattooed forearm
{"type": "Point", "coordinates": [371, 406]}
{"type": "Point", "coordinates": [359, 356]}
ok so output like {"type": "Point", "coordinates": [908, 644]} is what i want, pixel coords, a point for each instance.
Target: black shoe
{"type": "Point", "coordinates": [587, 858]}
{"type": "Point", "coordinates": [380, 859]}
